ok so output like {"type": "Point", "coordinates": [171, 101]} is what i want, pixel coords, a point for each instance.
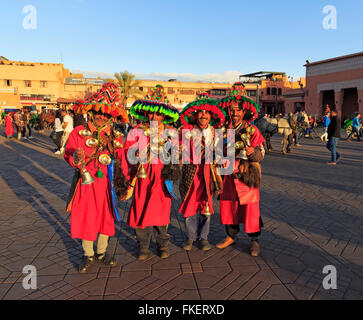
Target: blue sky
{"type": "Point", "coordinates": [196, 39]}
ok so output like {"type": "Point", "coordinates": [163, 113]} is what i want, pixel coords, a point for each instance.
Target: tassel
{"type": "Point", "coordinates": [99, 173]}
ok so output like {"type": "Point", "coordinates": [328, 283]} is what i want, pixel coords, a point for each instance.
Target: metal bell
{"type": "Point", "coordinates": [207, 210]}
{"type": "Point", "coordinates": [86, 177]}
{"type": "Point", "coordinates": [142, 172]}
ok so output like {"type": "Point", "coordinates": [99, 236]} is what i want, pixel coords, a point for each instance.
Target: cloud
{"type": "Point", "coordinates": [224, 77]}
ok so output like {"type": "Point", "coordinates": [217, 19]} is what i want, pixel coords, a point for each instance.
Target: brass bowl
{"type": "Point", "coordinates": [156, 149]}
{"type": "Point", "coordinates": [104, 159]}
{"type": "Point", "coordinates": [117, 144]}
{"type": "Point", "coordinates": [239, 145]}
{"type": "Point", "coordinates": [85, 133]}
{"type": "Point", "coordinates": [147, 132]}
{"type": "Point", "coordinates": [251, 130]}
{"type": "Point", "coordinates": [245, 136]}
{"type": "Point", "coordinates": [118, 133]}
{"type": "Point", "coordinates": [92, 143]}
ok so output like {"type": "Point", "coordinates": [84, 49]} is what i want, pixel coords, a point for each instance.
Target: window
{"type": "Point", "coordinates": [268, 91]}
{"type": "Point", "coordinates": [274, 91]}
{"type": "Point", "coordinates": [8, 83]}
{"type": "Point", "coordinates": [43, 84]}
{"type": "Point", "coordinates": [279, 92]}
{"type": "Point", "coordinates": [251, 93]}
{"type": "Point", "coordinates": [27, 83]}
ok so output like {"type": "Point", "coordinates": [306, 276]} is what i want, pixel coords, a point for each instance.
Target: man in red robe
{"type": "Point", "coordinates": [150, 208]}
{"type": "Point", "coordinates": [239, 202]}
{"type": "Point", "coordinates": [197, 186]}
{"type": "Point", "coordinates": [97, 149]}
{"type": "Point", "coordinates": [9, 127]}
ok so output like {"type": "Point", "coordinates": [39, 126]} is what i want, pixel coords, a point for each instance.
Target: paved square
{"type": "Point", "coordinates": [313, 216]}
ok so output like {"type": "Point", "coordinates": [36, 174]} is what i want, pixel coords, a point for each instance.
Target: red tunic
{"type": "Point", "coordinates": [92, 210]}
{"type": "Point", "coordinates": [199, 193]}
{"type": "Point", "coordinates": [151, 203]}
{"type": "Point", "coordinates": [239, 204]}
{"type": "Point", "coordinates": [9, 128]}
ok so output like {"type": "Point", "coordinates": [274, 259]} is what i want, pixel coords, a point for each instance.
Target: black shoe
{"type": "Point", "coordinates": [85, 264]}
{"type": "Point", "coordinates": [106, 259]}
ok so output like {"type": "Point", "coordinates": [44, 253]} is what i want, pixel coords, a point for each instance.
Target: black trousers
{"type": "Point", "coordinates": [143, 236]}
{"type": "Point", "coordinates": [233, 229]}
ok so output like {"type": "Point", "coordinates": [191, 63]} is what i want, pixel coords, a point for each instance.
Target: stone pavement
{"type": "Point", "coordinates": [313, 216]}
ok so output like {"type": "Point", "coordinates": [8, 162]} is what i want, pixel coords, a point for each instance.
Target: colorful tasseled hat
{"type": "Point", "coordinates": [239, 95]}
{"type": "Point", "coordinates": [157, 102]}
{"type": "Point", "coordinates": [203, 102]}
{"type": "Point", "coordinates": [106, 100]}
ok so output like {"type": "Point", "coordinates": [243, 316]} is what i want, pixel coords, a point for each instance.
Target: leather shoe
{"type": "Point", "coordinates": [255, 249]}
{"type": "Point", "coordinates": [188, 245]}
{"type": "Point", "coordinates": [226, 243]}
{"type": "Point", "coordinates": [86, 264]}
{"type": "Point", "coordinates": [106, 259]}
{"type": "Point", "coordinates": [205, 245]}
{"type": "Point", "coordinates": [164, 252]}
{"type": "Point", "coordinates": [143, 255]}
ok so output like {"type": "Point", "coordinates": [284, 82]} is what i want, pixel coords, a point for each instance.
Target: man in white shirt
{"type": "Point", "coordinates": [67, 129]}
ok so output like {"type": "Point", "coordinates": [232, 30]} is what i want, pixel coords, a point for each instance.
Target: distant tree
{"type": "Point", "coordinates": [129, 87]}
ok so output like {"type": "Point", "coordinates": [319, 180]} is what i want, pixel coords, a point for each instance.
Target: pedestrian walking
{"type": "Point", "coordinates": [333, 137]}
{"type": "Point", "coordinates": [9, 126]}
{"type": "Point", "coordinates": [67, 126]}
{"type": "Point", "coordinates": [326, 122]}
{"type": "Point", "coordinates": [20, 123]}
{"type": "Point", "coordinates": [58, 131]}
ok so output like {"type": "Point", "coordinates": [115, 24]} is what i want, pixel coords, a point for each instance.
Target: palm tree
{"type": "Point", "coordinates": [129, 87]}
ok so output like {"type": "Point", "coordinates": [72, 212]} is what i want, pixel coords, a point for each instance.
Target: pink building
{"type": "Point", "coordinates": [337, 81]}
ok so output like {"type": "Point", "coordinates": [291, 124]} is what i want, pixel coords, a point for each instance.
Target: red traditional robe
{"type": "Point", "coordinates": [199, 193]}
{"type": "Point", "coordinates": [239, 204]}
{"type": "Point", "coordinates": [92, 209]}
{"type": "Point", "coordinates": [151, 203]}
{"type": "Point", "coordinates": [9, 128]}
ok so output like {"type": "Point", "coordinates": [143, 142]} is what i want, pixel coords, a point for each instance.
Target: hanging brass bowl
{"type": "Point", "coordinates": [85, 133]}
{"type": "Point", "coordinates": [117, 144]}
{"type": "Point", "coordinates": [92, 143]}
{"type": "Point", "coordinates": [239, 145]}
{"type": "Point", "coordinates": [147, 132]}
{"type": "Point", "coordinates": [245, 136]}
{"type": "Point", "coordinates": [155, 140]}
{"type": "Point", "coordinates": [156, 149]}
{"type": "Point", "coordinates": [118, 133]}
{"type": "Point", "coordinates": [104, 159]}
{"type": "Point", "coordinates": [251, 130]}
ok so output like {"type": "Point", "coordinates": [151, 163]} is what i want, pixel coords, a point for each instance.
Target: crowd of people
{"type": "Point", "coordinates": [92, 139]}
{"type": "Point", "coordinates": [105, 170]}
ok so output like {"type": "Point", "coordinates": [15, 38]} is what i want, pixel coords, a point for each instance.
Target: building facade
{"type": "Point", "coordinates": [337, 81]}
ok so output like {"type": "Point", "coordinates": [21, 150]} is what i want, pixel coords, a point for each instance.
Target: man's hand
{"type": "Point", "coordinates": [249, 150]}
{"type": "Point", "coordinates": [79, 157]}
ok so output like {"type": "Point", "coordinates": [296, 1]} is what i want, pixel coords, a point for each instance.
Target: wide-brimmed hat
{"type": "Point", "coordinates": [156, 102]}
{"type": "Point", "coordinates": [106, 100]}
{"type": "Point", "coordinates": [203, 102]}
{"type": "Point", "coordinates": [238, 97]}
